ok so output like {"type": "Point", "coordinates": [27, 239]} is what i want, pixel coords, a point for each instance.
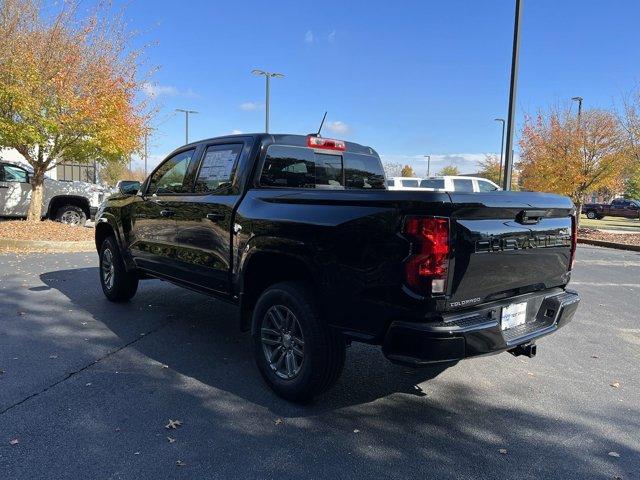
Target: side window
{"type": "Point", "coordinates": [432, 183]}
{"type": "Point", "coordinates": [485, 186]}
{"type": "Point", "coordinates": [617, 203]}
{"type": "Point", "coordinates": [462, 185]}
{"type": "Point", "coordinates": [390, 183]}
{"type": "Point", "coordinates": [288, 167]}
{"type": "Point", "coordinates": [216, 168]}
{"type": "Point", "coordinates": [169, 178]}
{"type": "Point", "coordinates": [11, 173]}
{"type": "Point", "coordinates": [410, 183]}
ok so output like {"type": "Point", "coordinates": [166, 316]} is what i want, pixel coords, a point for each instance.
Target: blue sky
{"type": "Point", "coordinates": [407, 78]}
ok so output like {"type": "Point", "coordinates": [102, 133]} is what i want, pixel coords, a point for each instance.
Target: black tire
{"type": "Point", "coordinates": [591, 215]}
{"type": "Point", "coordinates": [120, 285]}
{"type": "Point", "coordinates": [323, 348]}
{"type": "Point", "coordinates": [71, 215]}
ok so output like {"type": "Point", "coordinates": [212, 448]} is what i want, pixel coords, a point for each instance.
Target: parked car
{"type": "Point", "coordinates": [457, 183]}
{"type": "Point", "coordinates": [301, 234]}
{"type": "Point", "coordinates": [403, 183]}
{"type": "Point", "coordinates": [620, 207]}
{"type": "Point", "coordinates": [67, 202]}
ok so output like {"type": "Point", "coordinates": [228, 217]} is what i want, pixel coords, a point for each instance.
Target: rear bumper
{"type": "Point", "coordinates": [478, 332]}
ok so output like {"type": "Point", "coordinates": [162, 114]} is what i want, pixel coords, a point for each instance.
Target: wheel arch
{"type": "Point", "coordinates": [61, 200]}
{"type": "Point", "coordinates": [264, 268]}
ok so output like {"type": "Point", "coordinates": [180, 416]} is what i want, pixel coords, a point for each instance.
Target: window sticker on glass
{"type": "Point", "coordinates": [217, 164]}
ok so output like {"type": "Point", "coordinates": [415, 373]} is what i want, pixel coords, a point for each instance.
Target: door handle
{"type": "Point", "coordinates": [4, 186]}
{"type": "Point", "coordinates": [166, 213]}
{"type": "Point", "coordinates": [215, 217]}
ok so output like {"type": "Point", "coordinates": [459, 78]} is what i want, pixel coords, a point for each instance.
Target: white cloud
{"type": "Point", "coordinates": [154, 90]}
{"type": "Point", "coordinates": [309, 37]}
{"type": "Point", "coordinates": [338, 127]}
{"type": "Point", "coordinates": [250, 106]}
{"type": "Point", "coordinates": [332, 37]}
{"type": "Point", "coordinates": [235, 131]}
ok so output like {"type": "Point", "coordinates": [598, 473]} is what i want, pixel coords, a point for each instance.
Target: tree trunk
{"type": "Point", "coordinates": [34, 214]}
{"type": "Point", "coordinates": [578, 211]}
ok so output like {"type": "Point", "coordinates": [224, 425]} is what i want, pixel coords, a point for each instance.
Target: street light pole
{"type": "Point", "coordinates": [501, 150]}
{"type": "Point", "coordinates": [579, 100]}
{"type": "Point", "coordinates": [508, 164]}
{"type": "Point", "coordinates": [428, 157]}
{"type": "Point", "coordinates": [186, 124]}
{"type": "Point", "coordinates": [268, 76]}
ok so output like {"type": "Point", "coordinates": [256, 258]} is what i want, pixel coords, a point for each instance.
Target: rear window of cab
{"type": "Point", "coordinates": [300, 167]}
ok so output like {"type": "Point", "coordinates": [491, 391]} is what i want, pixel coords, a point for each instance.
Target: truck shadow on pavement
{"type": "Point", "coordinates": [375, 423]}
{"type": "Point", "coordinates": [199, 337]}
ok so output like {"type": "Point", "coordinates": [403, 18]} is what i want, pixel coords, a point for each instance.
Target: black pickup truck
{"type": "Point", "coordinates": [620, 207]}
{"type": "Point", "coordinates": [301, 233]}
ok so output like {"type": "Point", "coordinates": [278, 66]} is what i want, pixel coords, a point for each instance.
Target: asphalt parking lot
{"type": "Point", "coordinates": [87, 388]}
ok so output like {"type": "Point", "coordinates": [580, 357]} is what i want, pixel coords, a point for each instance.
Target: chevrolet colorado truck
{"type": "Point", "coordinates": [620, 207]}
{"type": "Point", "coordinates": [72, 203]}
{"type": "Point", "coordinates": [302, 235]}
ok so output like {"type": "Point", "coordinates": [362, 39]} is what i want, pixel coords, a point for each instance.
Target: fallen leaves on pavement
{"type": "Point", "coordinates": [173, 424]}
{"type": "Point", "coordinates": [615, 384]}
{"type": "Point", "coordinates": [45, 230]}
{"type": "Point", "coordinates": [503, 451]}
{"type": "Point", "coordinates": [614, 454]}
{"type": "Point", "coordinates": [14, 441]}
{"type": "Point", "coordinates": [180, 463]}
{"type": "Point", "coordinates": [171, 439]}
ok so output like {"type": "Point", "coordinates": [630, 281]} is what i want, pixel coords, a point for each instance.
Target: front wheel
{"type": "Point", "coordinates": [591, 215]}
{"type": "Point", "coordinates": [297, 353]}
{"type": "Point", "coordinates": [117, 283]}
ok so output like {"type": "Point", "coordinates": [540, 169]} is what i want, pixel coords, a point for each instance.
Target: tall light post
{"type": "Point", "coordinates": [186, 125]}
{"type": "Point", "coordinates": [508, 164]}
{"type": "Point", "coordinates": [579, 100]}
{"type": "Point", "coordinates": [268, 76]}
{"type": "Point", "coordinates": [428, 157]}
{"type": "Point", "coordinates": [501, 149]}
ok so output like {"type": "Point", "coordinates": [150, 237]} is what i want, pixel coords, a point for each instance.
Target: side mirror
{"type": "Point", "coordinates": [129, 187]}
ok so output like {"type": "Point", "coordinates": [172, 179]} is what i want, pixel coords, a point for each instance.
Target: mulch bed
{"type": "Point", "coordinates": [624, 238]}
{"type": "Point", "coordinates": [45, 230]}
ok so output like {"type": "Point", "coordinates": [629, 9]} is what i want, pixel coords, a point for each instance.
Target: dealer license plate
{"type": "Point", "coordinates": [514, 315]}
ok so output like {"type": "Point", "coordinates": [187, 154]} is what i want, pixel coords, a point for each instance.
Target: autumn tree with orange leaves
{"type": "Point", "coordinates": [563, 154]}
{"type": "Point", "coordinates": [68, 87]}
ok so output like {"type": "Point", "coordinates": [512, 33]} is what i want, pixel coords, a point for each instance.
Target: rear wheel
{"type": "Point", "coordinates": [591, 215]}
{"type": "Point", "coordinates": [298, 355]}
{"type": "Point", "coordinates": [71, 215]}
{"type": "Point", "coordinates": [118, 284]}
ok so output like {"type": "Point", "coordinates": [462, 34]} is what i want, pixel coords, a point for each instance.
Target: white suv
{"type": "Point", "coordinates": [459, 184]}
{"type": "Point", "coordinates": [67, 202]}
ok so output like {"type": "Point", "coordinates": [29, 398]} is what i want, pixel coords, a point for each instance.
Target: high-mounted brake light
{"type": "Point", "coordinates": [427, 266]}
{"type": "Point", "coordinates": [326, 143]}
{"type": "Point", "coordinates": [574, 241]}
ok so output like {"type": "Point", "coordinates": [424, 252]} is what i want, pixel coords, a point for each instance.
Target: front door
{"type": "Point", "coordinates": [153, 224]}
{"type": "Point", "coordinates": [15, 191]}
{"type": "Point", "coordinates": [205, 223]}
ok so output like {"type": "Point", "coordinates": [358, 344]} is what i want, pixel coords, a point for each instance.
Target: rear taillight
{"type": "Point", "coordinates": [427, 265]}
{"type": "Point", "coordinates": [326, 143]}
{"type": "Point", "coordinates": [574, 241]}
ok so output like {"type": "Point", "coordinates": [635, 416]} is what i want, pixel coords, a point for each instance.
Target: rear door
{"type": "Point", "coordinates": [15, 191]}
{"type": "Point", "coordinates": [205, 221]}
{"type": "Point", "coordinates": [505, 244]}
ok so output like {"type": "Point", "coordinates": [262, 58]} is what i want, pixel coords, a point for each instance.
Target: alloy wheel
{"type": "Point", "coordinates": [108, 268]}
{"type": "Point", "coordinates": [282, 341]}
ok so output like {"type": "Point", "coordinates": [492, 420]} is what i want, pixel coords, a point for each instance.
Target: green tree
{"type": "Point", "coordinates": [407, 171]}
{"type": "Point", "coordinates": [449, 170]}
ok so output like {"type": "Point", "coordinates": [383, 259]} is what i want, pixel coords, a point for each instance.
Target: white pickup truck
{"type": "Point", "coordinates": [67, 202]}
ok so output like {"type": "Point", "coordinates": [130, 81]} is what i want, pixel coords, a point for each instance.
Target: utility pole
{"type": "Point", "coordinates": [501, 149]}
{"type": "Point", "coordinates": [186, 125]}
{"type": "Point", "coordinates": [508, 164]}
{"type": "Point", "coordinates": [428, 157]}
{"type": "Point", "coordinates": [268, 76]}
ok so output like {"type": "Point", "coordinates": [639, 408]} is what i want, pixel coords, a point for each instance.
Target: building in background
{"type": "Point", "coordinates": [70, 172]}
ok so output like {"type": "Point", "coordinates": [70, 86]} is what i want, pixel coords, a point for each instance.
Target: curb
{"type": "Point", "coordinates": [602, 243]}
{"type": "Point", "coordinates": [49, 245]}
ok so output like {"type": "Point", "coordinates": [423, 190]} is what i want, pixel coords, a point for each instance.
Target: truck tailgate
{"type": "Point", "coordinates": [507, 243]}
